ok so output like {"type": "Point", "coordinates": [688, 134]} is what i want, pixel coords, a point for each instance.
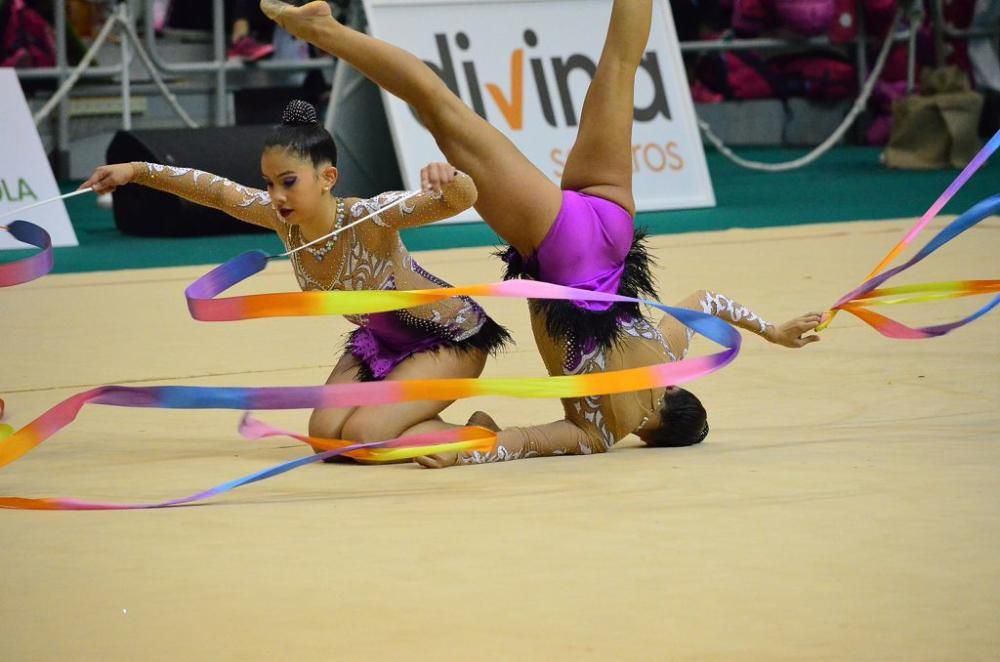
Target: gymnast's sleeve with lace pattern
{"type": "Point", "coordinates": [678, 336]}
{"type": "Point", "coordinates": [558, 438]}
{"type": "Point", "coordinates": [731, 311]}
{"type": "Point", "coordinates": [247, 204]}
{"type": "Point", "coordinates": [426, 207]}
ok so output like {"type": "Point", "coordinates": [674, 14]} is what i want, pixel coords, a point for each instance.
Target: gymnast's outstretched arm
{"type": "Point", "coordinates": [557, 438]}
{"type": "Point", "coordinates": [792, 333]}
{"type": "Point", "coordinates": [242, 202]}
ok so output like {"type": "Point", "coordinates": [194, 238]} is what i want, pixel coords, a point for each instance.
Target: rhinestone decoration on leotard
{"type": "Point", "coordinates": [319, 252]}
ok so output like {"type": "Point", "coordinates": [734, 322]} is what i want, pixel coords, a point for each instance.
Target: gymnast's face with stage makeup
{"type": "Point", "coordinates": [299, 166]}
{"type": "Point", "coordinates": [299, 189]}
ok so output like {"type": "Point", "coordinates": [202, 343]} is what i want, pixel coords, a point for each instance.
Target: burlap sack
{"type": "Point", "coordinates": [937, 128]}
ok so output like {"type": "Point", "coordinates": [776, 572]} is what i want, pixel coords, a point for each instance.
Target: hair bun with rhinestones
{"type": "Point", "coordinates": [298, 113]}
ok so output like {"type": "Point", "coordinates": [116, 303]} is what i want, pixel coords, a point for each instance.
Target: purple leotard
{"type": "Point", "coordinates": [592, 245]}
{"type": "Point", "coordinates": [585, 248]}
{"type": "Point", "coordinates": [387, 339]}
{"type": "Point", "coordinates": [384, 340]}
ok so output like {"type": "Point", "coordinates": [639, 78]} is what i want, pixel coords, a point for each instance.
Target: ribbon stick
{"type": "Point", "coordinates": [395, 203]}
{"type": "Point", "coordinates": [57, 198]}
{"type": "Point", "coordinates": [851, 302]}
{"type": "Point", "coordinates": [30, 268]}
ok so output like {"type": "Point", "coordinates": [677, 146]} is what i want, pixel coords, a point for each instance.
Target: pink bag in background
{"type": "Point", "coordinates": [28, 41]}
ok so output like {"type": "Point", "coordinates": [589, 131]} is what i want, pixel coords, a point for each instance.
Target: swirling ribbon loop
{"type": "Point", "coordinates": [203, 306]}
{"type": "Point", "coordinates": [34, 266]}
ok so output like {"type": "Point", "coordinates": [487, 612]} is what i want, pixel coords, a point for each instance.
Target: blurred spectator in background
{"type": "Point", "coordinates": [27, 38]}
{"type": "Point", "coordinates": [249, 37]}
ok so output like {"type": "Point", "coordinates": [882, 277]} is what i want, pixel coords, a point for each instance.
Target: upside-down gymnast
{"type": "Point", "coordinates": [448, 339]}
{"type": "Point", "coordinates": [579, 233]}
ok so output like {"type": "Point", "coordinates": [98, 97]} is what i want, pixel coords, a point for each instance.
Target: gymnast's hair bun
{"type": "Point", "coordinates": [299, 113]}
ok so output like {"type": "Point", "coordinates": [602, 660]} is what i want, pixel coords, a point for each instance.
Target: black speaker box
{"type": "Point", "coordinates": [230, 152]}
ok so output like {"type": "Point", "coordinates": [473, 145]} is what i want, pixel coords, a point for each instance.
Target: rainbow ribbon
{"type": "Point", "coordinates": [857, 301]}
{"type": "Point", "coordinates": [467, 438]}
{"type": "Point", "coordinates": [459, 439]}
{"type": "Point", "coordinates": [204, 307]}
{"type": "Point", "coordinates": [29, 268]}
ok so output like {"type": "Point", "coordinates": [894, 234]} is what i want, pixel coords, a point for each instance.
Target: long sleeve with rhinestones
{"type": "Point", "coordinates": [247, 204]}
{"type": "Point", "coordinates": [557, 438]}
{"type": "Point", "coordinates": [426, 207]}
{"type": "Point", "coordinates": [679, 336]}
{"type": "Point", "coordinates": [727, 309]}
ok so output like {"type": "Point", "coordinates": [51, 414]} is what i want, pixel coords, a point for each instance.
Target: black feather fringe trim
{"type": "Point", "coordinates": [563, 317]}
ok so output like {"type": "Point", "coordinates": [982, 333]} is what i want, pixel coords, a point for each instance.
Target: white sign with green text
{"type": "Point", "coordinates": [525, 66]}
{"type": "Point", "coordinates": [25, 174]}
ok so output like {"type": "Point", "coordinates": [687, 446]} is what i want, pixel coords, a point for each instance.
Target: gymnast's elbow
{"type": "Point", "coordinates": [460, 193]}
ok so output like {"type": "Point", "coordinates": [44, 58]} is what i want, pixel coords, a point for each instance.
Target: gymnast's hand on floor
{"type": "Point", "coordinates": [439, 461]}
{"type": "Point", "coordinates": [109, 177]}
{"type": "Point", "coordinates": [792, 333]}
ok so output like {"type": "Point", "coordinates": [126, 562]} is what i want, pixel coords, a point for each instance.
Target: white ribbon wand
{"type": "Point", "coordinates": [45, 202]}
{"type": "Point", "coordinates": [351, 225]}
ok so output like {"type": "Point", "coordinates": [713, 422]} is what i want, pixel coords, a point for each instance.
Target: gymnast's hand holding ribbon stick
{"type": "Point", "coordinates": [868, 293]}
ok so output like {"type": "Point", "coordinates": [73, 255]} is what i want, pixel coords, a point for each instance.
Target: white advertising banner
{"type": "Point", "coordinates": [525, 65]}
{"type": "Point", "coordinates": [25, 174]}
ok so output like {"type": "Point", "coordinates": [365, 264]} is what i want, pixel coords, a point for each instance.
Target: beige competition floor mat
{"type": "Point", "coordinates": [845, 506]}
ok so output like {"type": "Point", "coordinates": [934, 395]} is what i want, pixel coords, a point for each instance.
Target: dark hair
{"type": "Point", "coordinates": [301, 134]}
{"type": "Point", "coordinates": [683, 420]}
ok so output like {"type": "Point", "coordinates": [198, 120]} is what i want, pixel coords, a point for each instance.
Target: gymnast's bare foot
{"type": "Point", "coordinates": [479, 419]}
{"type": "Point", "coordinates": [291, 17]}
